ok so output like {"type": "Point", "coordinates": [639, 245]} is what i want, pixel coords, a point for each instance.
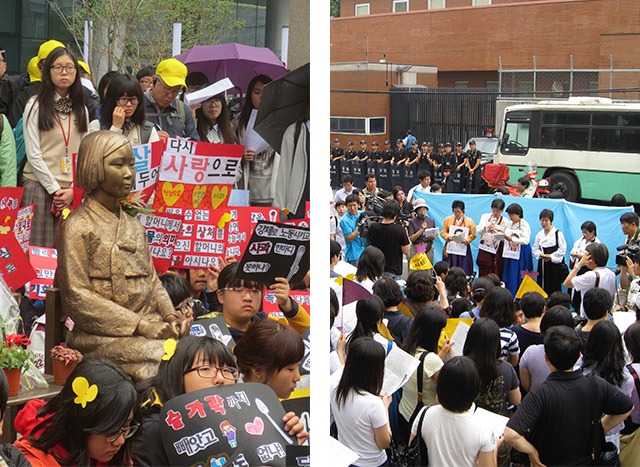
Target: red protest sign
{"type": "Point", "coordinates": [22, 228]}
{"type": "Point", "coordinates": [15, 268]}
{"type": "Point", "coordinates": [9, 204]}
{"type": "Point", "coordinates": [299, 222]}
{"type": "Point", "coordinates": [196, 175]}
{"type": "Point", "coordinates": [270, 304]}
{"type": "Point", "coordinates": [209, 235]}
{"type": "Point", "coordinates": [162, 235]}
{"type": "Point", "coordinates": [45, 263]}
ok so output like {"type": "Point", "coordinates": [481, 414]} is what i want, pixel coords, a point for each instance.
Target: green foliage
{"type": "Point", "coordinates": [14, 357]}
{"type": "Point", "coordinates": [335, 8]}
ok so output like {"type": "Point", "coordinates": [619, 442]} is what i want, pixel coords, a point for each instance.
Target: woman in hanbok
{"type": "Point", "coordinates": [492, 223]}
{"type": "Point", "coordinates": [459, 220]}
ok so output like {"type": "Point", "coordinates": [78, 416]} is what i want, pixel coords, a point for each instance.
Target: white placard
{"type": "Point", "coordinates": [341, 456]}
{"type": "Point", "coordinates": [398, 368]}
{"type": "Point", "coordinates": [459, 337]}
{"type": "Point", "coordinates": [457, 234]}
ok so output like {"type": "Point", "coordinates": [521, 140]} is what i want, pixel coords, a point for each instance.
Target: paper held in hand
{"type": "Point", "coordinates": [206, 93]}
{"type": "Point", "coordinates": [398, 368]}
{"type": "Point", "coordinates": [457, 235]}
{"type": "Point", "coordinates": [252, 140]}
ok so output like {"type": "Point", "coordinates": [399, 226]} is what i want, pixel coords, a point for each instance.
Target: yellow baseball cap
{"type": "Point", "coordinates": [32, 69]}
{"type": "Point", "coordinates": [84, 66]}
{"type": "Point", "coordinates": [46, 48]}
{"type": "Point", "coordinates": [172, 72]}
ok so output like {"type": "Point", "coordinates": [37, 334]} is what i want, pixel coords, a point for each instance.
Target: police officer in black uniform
{"type": "Point", "coordinates": [375, 154]}
{"type": "Point", "coordinates": [400, 153]}
{"type": "Point", "coordinates": [337, 153]}
{"type": "Point", "coordinates": [363, 153]}
{"type": "Point", "coordinates": [387, 153]}
{"type": "Point", "coordinates": [449, 164]}
{"type": "Point", "coordinates": [474, 156]}
{"type": "Point", "coordinates": [438, 171]}
{"type": "Point", "coordinates": [350, 155]}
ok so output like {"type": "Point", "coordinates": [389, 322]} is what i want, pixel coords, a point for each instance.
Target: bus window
{"type": "Point", "coordinates": [516, 138]}
{"type": "Point", "coordinates": [576, 138]}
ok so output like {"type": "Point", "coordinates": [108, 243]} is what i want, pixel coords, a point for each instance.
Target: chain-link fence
{"type": "Point", "coordinates": [562, 83]}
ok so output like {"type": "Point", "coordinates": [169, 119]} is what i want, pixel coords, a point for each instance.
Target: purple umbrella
{"type": "Point", "coordinates": [240, 63]}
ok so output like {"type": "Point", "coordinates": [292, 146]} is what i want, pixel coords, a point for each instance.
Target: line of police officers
{"type": "Point", "coordinates": [456, 171]}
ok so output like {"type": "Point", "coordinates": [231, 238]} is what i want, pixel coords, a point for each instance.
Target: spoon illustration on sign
{"type": "Point", "coordinates": [262, 407]}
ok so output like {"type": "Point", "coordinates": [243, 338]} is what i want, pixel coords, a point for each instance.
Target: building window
{"type": "Point", "coordinates": [362, 9]}
{"type": "Point", "coordinates": [461, 84]}
{"type": "Point", "coordinates": [400, 5]}
{"type": "Point", "coordinates": [359, 125]}
{"type": "Point", "coordinates": [436, 4]}
{"type": "Point", "coordinates": [481, 2]}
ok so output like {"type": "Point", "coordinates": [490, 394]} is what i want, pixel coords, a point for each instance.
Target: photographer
{"type": "Point", "coordinates": [630, 281]}
{"type": "Point", "coordinates": [629, 225]}
{"type": "Point", "coordinates": [595, 259]}
{"type": "Point", "coordinates": [391, 238]}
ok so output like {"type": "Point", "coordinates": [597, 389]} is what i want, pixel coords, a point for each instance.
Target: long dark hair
{"type": "Point", "coordinates": [425, 330]}
{"type": "Point", "coordinates": [369, 312]}
{"type": "Point", "coordinates": [370, 264]}
{"type": "Point", "coordinates": [70, 424]}
{"type": "Point", "coordinates": [224, 123]}
{"type": "Point", "coordinates": [169, 381]}
{"type": "Point", "coordinates": [119, 86]}
{"type": "Point", "coordinates": [605, 353]}
{"type": "Point", "coordinates": [483, 347]}
{"type": "Point", "coordinates": [247, 105]}
{"type": "Point", "coordinates": [47, 91]}
{"type": "Point", "coordinates": [632, 340]}
{"type": "Point", "coordinates": [498, 306]}
{"type": "Point", "coordinates": [363, 369]}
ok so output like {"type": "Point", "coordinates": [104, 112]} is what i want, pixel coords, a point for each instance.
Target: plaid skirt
{"type": "Point", "coordinates": [44, 225]}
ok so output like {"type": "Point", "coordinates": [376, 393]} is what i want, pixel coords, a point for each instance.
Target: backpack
{"type": "Point", "coordinates": [181, 114]}
{"type": "Point", "coordinates": [145, 130]}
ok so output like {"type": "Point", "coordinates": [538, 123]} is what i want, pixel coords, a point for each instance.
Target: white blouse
{"type": "Point", "coordinates": [549, 240]}
{"type": "Point", "coordinates": [524, 232]}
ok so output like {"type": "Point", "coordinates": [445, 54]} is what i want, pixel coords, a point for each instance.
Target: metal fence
{"type": "Point", "coordinates": [615, 83]}
{"type": "Point", "coordinates": [442, 114]}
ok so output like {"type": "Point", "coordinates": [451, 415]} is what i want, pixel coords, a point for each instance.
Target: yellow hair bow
{"type": "Point", "coordinates": [169, 348]}
{"type": "Point", "coordinates": [84, 392]}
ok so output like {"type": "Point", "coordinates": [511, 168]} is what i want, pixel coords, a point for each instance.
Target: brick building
{"type": "Point", "coordinates": [380, 44]}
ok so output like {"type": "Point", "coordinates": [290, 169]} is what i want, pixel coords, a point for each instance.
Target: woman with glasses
{"type": "Point", "coordinates": [197, 363]}
{"type": "Point", "coordinates": [270, 353]}
{"type": "Point", "coordinates": [123, 111]}
{"type": "Point", "coordinates": [90, 422]}
{"type": "Point", "coordinates": [55, 120]}
{"type": "Point", "coordinates": [213, 121]}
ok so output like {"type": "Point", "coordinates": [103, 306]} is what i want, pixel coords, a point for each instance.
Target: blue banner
{"type": "Point", "coordinates": [568, 217]}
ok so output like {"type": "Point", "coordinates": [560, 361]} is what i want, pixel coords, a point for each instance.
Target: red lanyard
{"type": "Point", "coordinates": [66, 137]}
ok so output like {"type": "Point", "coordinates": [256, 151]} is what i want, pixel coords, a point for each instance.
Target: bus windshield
{"type": "Point", "coordinates": [516, 138]}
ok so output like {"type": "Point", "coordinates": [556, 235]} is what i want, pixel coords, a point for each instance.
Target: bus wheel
{"type": "Point", "coordinates": [565, 183]}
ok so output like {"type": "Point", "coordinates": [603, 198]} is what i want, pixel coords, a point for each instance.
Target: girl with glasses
{"type": "Point", "coordinates": [213, 121]}
{"type": "Point", "coordinates": [92, 421]}
{"type": "Point", "coordinates": [55, 120]}
{"type": "Point", "coordinates": [123, 111]}
{"type": "Point", "coordinates": [197, 363]}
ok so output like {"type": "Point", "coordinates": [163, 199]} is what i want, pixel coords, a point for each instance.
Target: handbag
{"type": "Point", "coordinates": [415, 454]}
{"type": "Point", "coordinates": [630, 442]}
{"type": "Point", "coordinates": [605, 453]}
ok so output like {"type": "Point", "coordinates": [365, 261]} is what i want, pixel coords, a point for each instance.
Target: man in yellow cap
{"type": "Point", "coordinates": [163, 108]}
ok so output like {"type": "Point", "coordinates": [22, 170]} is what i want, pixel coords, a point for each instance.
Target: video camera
{"type": "Point", "coordinates": [628, 250]}
{"type": "Point", "coordinates": [374, 203]}
{"type": "Point", "coordinates": [364, 223]}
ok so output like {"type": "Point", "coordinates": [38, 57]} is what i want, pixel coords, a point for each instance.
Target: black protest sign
{"type": "Point", "coordinates": [275, 250]}
{"type": "Point", "coordinates": [298, 456]}
{"type": "Point", "coordinates": [215, 328]}
{"type": "Point", "coordinates": [237, 425]}
{"type": "Point", "coordinates": [305, 364]}
{"type": "Point", "coordinates": [300, 404]}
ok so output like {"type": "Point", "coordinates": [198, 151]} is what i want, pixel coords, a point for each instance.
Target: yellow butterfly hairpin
{"type": "Point", "coordinates": [84, 392]}
{"type": "Point", "coordinates": [169, 348]}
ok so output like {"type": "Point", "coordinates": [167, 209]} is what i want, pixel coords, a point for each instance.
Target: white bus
{"type": "Point", "coordinates": [589, 147]}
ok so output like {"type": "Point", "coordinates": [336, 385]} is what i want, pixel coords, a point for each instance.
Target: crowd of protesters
{"type": "Point", "coordinates": [50, 109]}
{"type": "Point", "coordinates": [553, 363]}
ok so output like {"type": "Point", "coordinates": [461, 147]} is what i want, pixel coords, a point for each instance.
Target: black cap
{"type": "Point", "coordinates": [409, 131]}
{"type": "Point", "coordinates": [415, 141]}
{"type": "Point", "coordinates": [349, 143]}
{"type": "Point", "coordinates": [447, 144]}
{"type": "Point", "coordinates": [336, 140]}
{"type": "Point", "coordinates": [399, 140]}
{"type": "Point", "coordinates": [429, 143]}
{"type": "Point", "coordinates": [387, 142]}
{"type": "Point", "coordinates": [472, 141]}
{"type": "Point", "coordinates": [424, 143]}
{"type": "Point", "coordinates": [440, 145]}
{"type": "Point", "coordinates": [363, 142]}
{"type": "Point", "coordinates": [374, 144]}
{"type": "Point", "coordinates": [458, 143]}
